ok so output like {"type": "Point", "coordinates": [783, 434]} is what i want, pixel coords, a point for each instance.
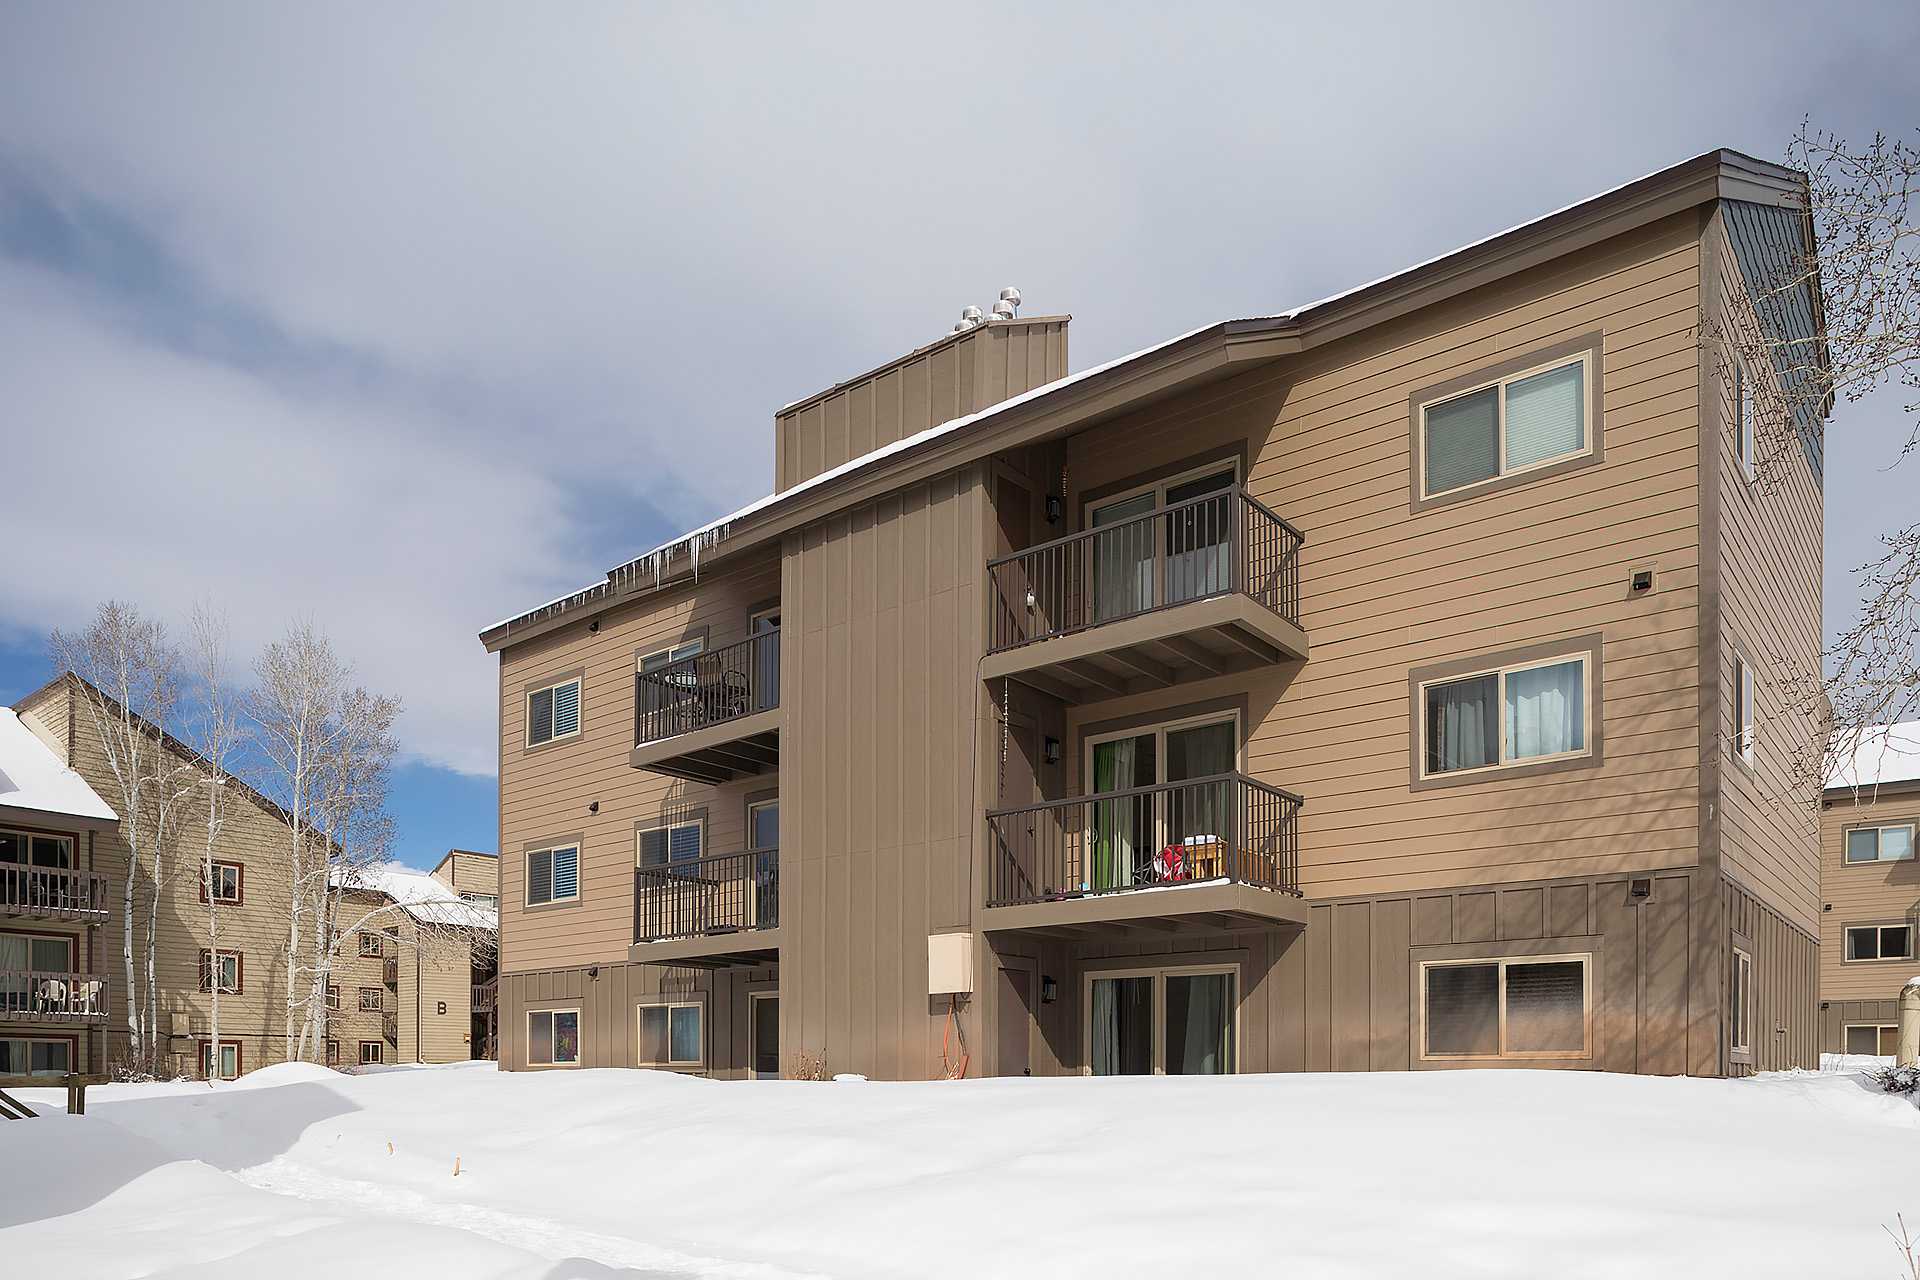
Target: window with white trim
{"type": "Point", "coordinates": [553, 1038]}
{"type": "Point", "coordinates": [371, 1052]}
{"type": "Point", "coordinates": [553, 712]}
{"type": "Point", "coordinates": [333, 1053]}
{"type": "Point", "coordinates": [1511, 1007]}
{"type": "Point", "coordinates": [229, 1060]}
{"type": "Point", "coordinates": [672, 1034]}
{"type": "Point", "coordinates": [1879, 942]}
{"type": "Point", "coordinates": [675, 843]}
{"type": "Point", "coordinates": [223, 968]}
{"type": "Point", "coordinates": [35, 1056]}
{"type": "Point", "coordinates": [1892, 843]}
{"type": "Point", "coordinates": [225, 883]}
{"type": "Point", "coordinates": [1873, 1039]}
{"type": "Point", "coordinates": [486, 900]}
{"type": "Point", "coordinates": [1743, 417]}
{"type": "Point", "coordinates": [1505, 426]}
{"type": "Point", "coordinates": [1515, 714]}
{"type": "Point", "coordinates": [553, 875]}
{"type": "Point", "coordinates": [1744, 729]}
{"type": "Point", "coordinates": [1740, 1001]}
{"type": "Point", "coordinates": [333, 995]}
{"type": "Point", "coordinates": [660, 659]}
{"type": "Point", "coordinates": [27, 848]}
{"type": "Point", "coordinates": [371, 944]}
{"type": "Point", "coordinates": [372, 1000]}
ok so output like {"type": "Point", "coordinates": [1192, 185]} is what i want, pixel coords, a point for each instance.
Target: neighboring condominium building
{"type": "Point", "coordinates": [1871, 886]}
{"type": "Point", "coordinates": [1380, 684]}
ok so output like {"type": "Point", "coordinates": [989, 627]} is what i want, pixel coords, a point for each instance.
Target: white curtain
{"type": "Point", "coordinates": [1123, 559]}
{"type": "Point", "coordinates": [1545, 712]}
{"type": "Point", "coordinates": [1106, 1029]}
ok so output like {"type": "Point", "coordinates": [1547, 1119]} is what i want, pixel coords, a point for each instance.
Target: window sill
{"type": "Point", "coordinates": [531, 747]}
{"type": "Point", "coordinates": [1501, 773]}
{"type": "Point", "coordinates": [550, 906]}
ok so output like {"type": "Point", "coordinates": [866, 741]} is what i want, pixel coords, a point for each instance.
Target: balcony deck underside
{"type": "Point", "coordinates": [1208, 907]}
{"type": "Point", "coordinates": [738, 748]}
{"type": "Point", "coordinates": [735, 949]}
{"type": "Point", "coordinates": [1191, 641]}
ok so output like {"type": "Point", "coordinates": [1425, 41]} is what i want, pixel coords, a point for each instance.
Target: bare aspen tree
{"type": "Point", "coordinates": [217, 731]}
{"type": "Point", "coordinates": [1859, 266]}
{"type": "Point", "coordinates": [127, 687]}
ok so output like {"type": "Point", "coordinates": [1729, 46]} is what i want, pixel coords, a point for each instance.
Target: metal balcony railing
{"type": "Point", "coordinates": [1221, 542]}
{"type": "Point", "coordinates": [722, 894]}
{"type": "Point", "coordinates": [1225, 827]}
{"type": "Point", "coordinates": [727, 683]}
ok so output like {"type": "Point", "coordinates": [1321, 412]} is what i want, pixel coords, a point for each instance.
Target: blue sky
{"type": "Point", "coordinates": [404, 319]}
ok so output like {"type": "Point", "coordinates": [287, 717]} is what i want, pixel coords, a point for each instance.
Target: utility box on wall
{"type": "Point", "coordinates": [949, 964]}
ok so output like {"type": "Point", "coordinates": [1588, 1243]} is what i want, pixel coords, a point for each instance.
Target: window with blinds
{"type": "Point", "coordinates": [1513, 1007]}
{"type": "Point", "coordinates": [553, 712]}
{"type": "Point", "coordinates": [1511, 425]}
{"type": "Point", "coordinates": [676, 843]}
{"type": "Point", "coordinates": [553, 875]}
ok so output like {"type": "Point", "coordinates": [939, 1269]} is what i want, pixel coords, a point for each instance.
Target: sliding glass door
{"type": "Point", "coordinates": [1166, 1021]}
{"type": "Point", "coordinates": [1194, 545]}
{"type": "Point", "coordinates": [1173, 833]}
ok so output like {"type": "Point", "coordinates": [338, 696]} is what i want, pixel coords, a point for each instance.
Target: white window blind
{"type": "Point", "coordinates": [1463, 441]}
{"type": "Point", "coordinates": [677, 843]}
{"type": "Point", "coordinates": [1545, 417]}
{"type": "Point", "coordinates": [553, 875]}
{"type": "Point", "coordinates": [1516, 423]}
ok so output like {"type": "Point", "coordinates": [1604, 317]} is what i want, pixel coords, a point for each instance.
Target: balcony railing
{"type": "Point", "coordinates": [486, 995]}
{"type": "Point", "coordinates": [695, 896]}
{"type": "Point", "coordinates": [390, 971]}
{"type": "Point", "coordinates": [52, 891]}
{"type": "Point", "coordinates": [1225, 827]}
{"type": "Point", "coordinates": [710, 688]}
{"type": "Point", "coordinates": [36, 995]}
{"type": "Point", "coordinates": [390, 1028]}
{"type": "Point", "coordinates": [1221, 542]}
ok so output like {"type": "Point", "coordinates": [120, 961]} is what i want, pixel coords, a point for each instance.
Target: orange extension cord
{"type": "Point", "coordinates": [947, 1067]}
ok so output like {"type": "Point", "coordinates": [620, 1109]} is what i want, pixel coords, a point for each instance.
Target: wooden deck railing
{"type": "Point", "coordinates": [52, 891]}
{"type": "Point", "coordinates": [1221, 542]}
{"type": "Point", "coordinates": [485, 996]}
{"type": "Point", "coordinates": [1224, 827]}
{"type": "Point", "coordinates": [34, 995]}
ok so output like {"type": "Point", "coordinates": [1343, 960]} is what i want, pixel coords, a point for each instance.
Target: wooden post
{"type": "Point", "coordinates": [1909, 1046]}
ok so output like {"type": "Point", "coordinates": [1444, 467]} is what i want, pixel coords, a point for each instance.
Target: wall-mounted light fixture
{"type": "Point", "coordinates": [1056, 509]}
{"type": "Point", "coordinates": [1049, 990]}
{"type": "Point", "coordinates": [1639, 890]}
{"type": "Point", "coordinates": [594, 807]}
{"type": "Point", "coordinates": [1051, 750]}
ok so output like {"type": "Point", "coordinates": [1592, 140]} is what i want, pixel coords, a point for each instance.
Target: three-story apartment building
{"type": "Point", "coordinates": [1871, 889]}
{"type": "Point", "coordinates": [1380, 684]}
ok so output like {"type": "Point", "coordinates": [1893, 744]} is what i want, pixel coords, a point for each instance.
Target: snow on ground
{"type": "Point", "coordinates": [296, 1172]}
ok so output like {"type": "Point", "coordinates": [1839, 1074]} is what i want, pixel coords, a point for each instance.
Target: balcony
{"type": "Point", "coordinates": [52, 893]}
{"type": "Point", "coordinates": [712, 912]}
{"type": "Point", "coordinates": [712, 717]}
{"type": "Point", "coordinates": [35, 995]}
{"type": "Point", "coordinates": [486, 995]}
{"type": "Point", "coordinates": [390, 971]}
{"type": "Point", "coordinates": [390, 1028]}
{"type": "Point", "coordinates": [1203, 587]}
{"type": "Point", "coordinates": [1212, 853]}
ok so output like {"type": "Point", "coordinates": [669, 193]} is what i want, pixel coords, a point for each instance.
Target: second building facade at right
{"type": "Point", "coordinates": [1390, 683]}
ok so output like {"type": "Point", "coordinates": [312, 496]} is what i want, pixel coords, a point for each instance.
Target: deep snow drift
{"type": "Point", "coordinates": [297, 1172]}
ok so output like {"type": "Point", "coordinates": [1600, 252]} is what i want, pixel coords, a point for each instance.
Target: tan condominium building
{"type": "Point", "coordinates": [407, 981]}
{"type": "Point", "coordinates": [73, 917]}
{"type": "Point", "coordinates": [1870, 889]}
{"type": "Point", "coordinates": [1380, 684]}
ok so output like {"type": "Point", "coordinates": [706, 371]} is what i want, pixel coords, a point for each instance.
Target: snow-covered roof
{"type": "Point", "coordinates": [1876, 755]}
{"type": "Point", "coordinates": [427, 900]}
{"type": "Point", "coordinates": [33, 777]}
{"type": "Point", "coordinates": [656, 563]}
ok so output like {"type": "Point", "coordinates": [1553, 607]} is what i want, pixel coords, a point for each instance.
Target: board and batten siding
{"type": "Point", "coordinates": [1386, 589]}
{"type": "Point", "coordinates": [1768, 602]}
{"type": "Point", "coordinates": [885, 628]}
{"type": "Point", "coordinates": [608, 1000]}
{"type": "Point", "coordinates": [957, 375]}
{"type": "Point", "coordinates": [546, 791]}
{"type": "Point", "coordinates": [1867, 893]}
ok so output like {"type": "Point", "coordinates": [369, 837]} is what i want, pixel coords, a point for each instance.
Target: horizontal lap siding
{"type": "Point", "coordinates": [1873, 893]}
{"type": "Point", "coordinates": [1385, 589]}
{"type": "Point", "coordinates": [546, 792]}
{"type": "Point", "coordinates": [1769, 601]}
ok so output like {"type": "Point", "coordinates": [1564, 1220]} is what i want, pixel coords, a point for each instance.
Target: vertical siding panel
{"type": "Point", "coordinates": [1317, 943]}
{"type": "Point", "coordinates": [1522, 913]}
{"type": "Point", "coordinates": [1392, 935]}
{"type": "Point", "coordinates": [1352, 985]}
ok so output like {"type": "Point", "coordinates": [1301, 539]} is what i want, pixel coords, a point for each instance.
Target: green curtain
{"type": "Point", "coordinates": [1113, 820]}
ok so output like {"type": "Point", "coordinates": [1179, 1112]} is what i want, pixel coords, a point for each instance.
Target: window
{"type": "Point", "coordinates": [371, 944]}
{"type": "Point", "coordinates": [34, 953]}
{"type": "Point", "coordinates": [1505, 716]}
{"type": "Point", "coordinates": [553, 1038]}
{"type": "Point", "coordinates": [1879, 942]}
{"type": "Point", "coordinates": [372, 1000]}
{"type": "Point", "coordinates": [1744, 732]}
{"type": "Point", "coordinates": [1878, 1040]}
{"type": "Point", "coordinates": [26, 848]}
{"type": "Point", "coordinates": [1522, 1007]}
{"type": "Point", "coordinates": [553, 712]}
{"type": "Point", "coordinates": [1163, 1021]}
{"type": "Point", "coordinates": [228, 881]}
{"type": "Point", "coordinates": [229, 1060]}
{"type": "Point", "coordinates": [671, 1035]}
{"type": "Point", "coordinates": [661, 659]}
{"type": "Point", "coordinates": [1880, 844]}
{"type": "Point", "coordinates": [35, 1056]}
{"type": "Point", "coordinates": [1176, 834]}
{"type": "Point", "coordinates": [553, 875]}
{"type": "Point", "coordinates": [371, 1052]}
{"type": "Point", "coordinates": [226, 966]}
{"type": "Point", "coordinates": [1743, 419]}
{"type": "Point", "coordinates": [1507, 426]}
{"type": "Point", "coordinates": [676, 844]}
{"type": "Point", "coordinates": [487, 900]}
{"type": "Point", "coordinates": [333, 995]}
{"type": "Point", "coordinates": [1740, 997]}
{"type": "Point", "coordinates": [333, 1053]}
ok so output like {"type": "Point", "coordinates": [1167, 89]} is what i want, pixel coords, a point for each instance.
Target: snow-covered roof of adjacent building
{"type": "Point", "coordinates": [1877, 755]}
{"type": "Point", "coordinates": [427, 900]}
{"type": "Point", "coordinates": [33, 777]}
